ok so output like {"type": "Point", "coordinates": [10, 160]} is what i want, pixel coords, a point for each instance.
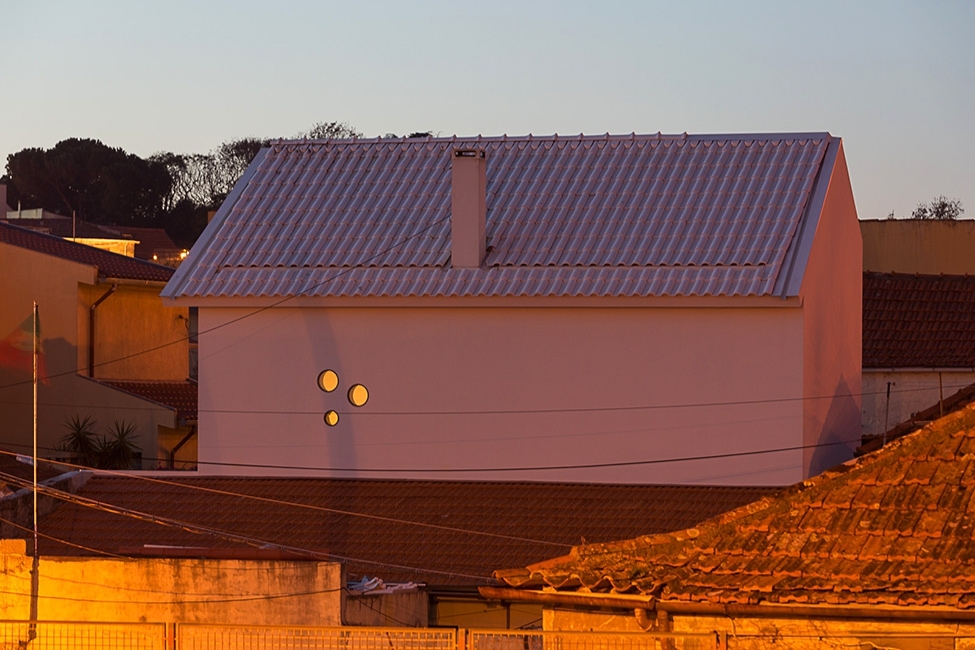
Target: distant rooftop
{"type": "Point", "coordinates": [109, 265]}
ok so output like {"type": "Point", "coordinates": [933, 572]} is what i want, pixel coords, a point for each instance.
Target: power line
{"type": "Point", "coordinates": [257, 311]}
{"type": "Point", "coordinates": [226, 535]}
{"type": "Point", "coordinates": [535, 468]}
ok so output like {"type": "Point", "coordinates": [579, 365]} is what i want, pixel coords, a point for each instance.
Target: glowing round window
{"type": "Point", "coordinates": [328, 380]}
{"type": "Point", "coordinates": [331, 418]}
{"type": "Point", "coordinates": [358, 395]}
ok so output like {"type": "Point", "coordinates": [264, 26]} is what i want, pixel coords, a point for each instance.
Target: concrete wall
{"type": "Point", "coordinates": [745, 633]}
{"type": "Point", "coordinates": [915, 246]}
{"type": "Point", "coordinates": [910, 392]}
{"type": "Point", "coordinates": [246, 592]}
{"type": "Point", "coordinates": [832, 297]}
{"type": "Point", "coordinates": [483, 388]}
{"type": "Point", "coordinates": [135, 322]}
{"type": "Point", "coordinates": [129, 321]}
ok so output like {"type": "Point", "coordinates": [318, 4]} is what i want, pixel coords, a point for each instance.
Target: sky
{"type": "Point", "coordinates": [895, 80]}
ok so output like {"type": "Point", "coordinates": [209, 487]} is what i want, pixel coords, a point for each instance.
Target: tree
{"type": "Point", "coordinates": [329, 131]}
{"type": "Point", "coordinates": [941, 208]}
{"type": "Point", "coordinates": [98, 183]}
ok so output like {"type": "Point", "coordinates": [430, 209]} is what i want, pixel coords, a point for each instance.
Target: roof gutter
{"type": "Point", "coordinates": [729, 610]}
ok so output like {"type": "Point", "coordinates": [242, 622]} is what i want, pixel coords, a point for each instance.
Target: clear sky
{"type": "Point", "coordinates": [895, 79]}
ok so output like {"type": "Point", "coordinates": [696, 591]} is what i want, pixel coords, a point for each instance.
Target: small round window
{"type": "Point", "coordinates": [358, 395]}
{"type": "Point", "coordinates": [328, 380]}
{"type": "Point", "coordinates": [331, 418]}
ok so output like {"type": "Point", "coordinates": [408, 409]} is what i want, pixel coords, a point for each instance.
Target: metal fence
{"type": "Point", "coordinates": [238, 637]}
{"type": "Point", "coordinates": [524, 640]}
{"type": "Point", "coordinates": [43, 635]}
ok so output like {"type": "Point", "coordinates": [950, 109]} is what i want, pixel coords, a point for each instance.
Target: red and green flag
{"type": "Point", "coordinates": [17, 348]}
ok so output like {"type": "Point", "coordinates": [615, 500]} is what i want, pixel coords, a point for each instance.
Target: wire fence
{"type": "Point", "coordinates": [534, 640]}
{"type": "Point", "coordinates": [49, 635]}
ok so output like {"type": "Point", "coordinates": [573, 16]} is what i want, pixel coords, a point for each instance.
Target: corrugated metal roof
{"type": "Point", "coordinates": [634, 215]}
{"type": "Point", "coordinates": [109, 265]}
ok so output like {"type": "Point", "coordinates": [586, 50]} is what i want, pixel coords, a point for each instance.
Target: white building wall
{"type": "Point", "coordinates": [499, 393]}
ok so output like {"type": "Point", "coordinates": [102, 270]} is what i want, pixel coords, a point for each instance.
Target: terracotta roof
{"type": "Point", "coordinates": [891, 528]}
{"type": "Point", "coordinates": [633, 215]}
{"type": "Point", "coordinates": [524, 522]}
{"type": "Point", "coordinates": [151, 241]}
{"type": "Point", "coordinates": [110, 265]}
{"type": "Point", "coordinates": [178, 395]}
{"type": "Point", "coordinates": [918, 321]}
{"type": "Point", "coordinates": [959, 400]}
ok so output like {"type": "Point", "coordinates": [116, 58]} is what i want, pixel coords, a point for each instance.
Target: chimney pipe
{"type": "Point", "coordinates": [468, 208]}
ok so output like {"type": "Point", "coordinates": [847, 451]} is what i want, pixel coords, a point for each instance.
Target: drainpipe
{"type": "Point", "coordinates": [91, 329]}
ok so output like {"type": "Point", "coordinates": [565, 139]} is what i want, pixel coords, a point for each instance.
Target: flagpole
{"type": "Point", "coordinates": [35, 428]}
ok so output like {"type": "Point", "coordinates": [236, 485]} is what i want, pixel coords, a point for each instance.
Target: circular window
{"type": "Point", "coordinates": [358, 395]}
{"type": "Point", "coordinates": [328, 380]}
{"type": "Point", "coordinates": [331, 418]}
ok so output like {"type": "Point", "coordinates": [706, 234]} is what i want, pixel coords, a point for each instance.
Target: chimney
{"type": "Point", "coordinates": [4, 208]}
{"type": "Point", "coordinates": [468, 208]}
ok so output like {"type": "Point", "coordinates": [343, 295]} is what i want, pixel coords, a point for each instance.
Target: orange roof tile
{"type": "Point", "coordinates": [891, 528]}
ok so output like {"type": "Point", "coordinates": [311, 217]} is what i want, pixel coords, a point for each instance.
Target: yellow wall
{"type": "Point", "coordinates": [171, 590]}
{"type": "Point", "coordinates": [915, 246]}
{"type": "Point", "coordinates": [130, 320]}
{"type": "Point", "coordinates": [136, 321]}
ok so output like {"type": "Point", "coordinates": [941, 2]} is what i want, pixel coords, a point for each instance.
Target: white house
{"type": "Point", "coordinates": [627, 309]}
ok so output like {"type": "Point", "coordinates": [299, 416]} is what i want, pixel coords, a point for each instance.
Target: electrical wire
{"type": "Point", "coordinates": [257, 311]}
{"type": "Point", "coordinates": [306, 506]}
{"type": "Point", "coordinates": [529, 468]}
{"type": "Point", "coordinates": [222, 534]}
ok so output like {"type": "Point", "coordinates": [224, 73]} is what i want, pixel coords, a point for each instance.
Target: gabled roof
{"type": "Point", "coordinates": [891, 528]}
{"type": "Point", "coordinates": [109, 265]}
{"type": "Point", "coordinates": [918, 321]}
{"type": "Point", "coordinates": [181, 396]}
{"type": "Point", "coordinates": [634, 215]}
{"type": "Point", "coordinates": [508, 522]}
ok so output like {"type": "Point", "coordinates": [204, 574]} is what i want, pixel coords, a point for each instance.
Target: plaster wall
{"type": "Point", "coordinates": [60, 288]}
{"type": "Point", "coordinates": [128, 322]}
{"type": "Point", "coordinates": [915, 246]}
{"type": "Point", "coordinates": [910, 391]}
{"type": "Point", "coordinates": [255, 592]}
{"type": "Point", "coordinates": [775, 633]}
{"type": "Point", "coordinates": [832, 296]}
{"type": "Point", "coordinates": [499, 393]}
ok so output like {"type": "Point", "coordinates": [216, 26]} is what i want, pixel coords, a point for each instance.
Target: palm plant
{"type": "Point", "coordinates": [118, 450]}
{"type": "Point", "coordinates": [81, 441]}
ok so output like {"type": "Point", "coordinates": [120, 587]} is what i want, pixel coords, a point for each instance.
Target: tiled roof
{"type": "Point", "coordinates": [918, 321]}
{"type": "Point", "coordinates": [178, 395]}
{"type": "Point", "coordinates": [110, 265]}
{"type": "Point", "coordinates": [635, 215]}
{"type": "Point", "coordinates": [521, 522]}
{"type": "Point", "coordinates": [891, 528]}
{"type": "Point", "coordinates": [151, 241]}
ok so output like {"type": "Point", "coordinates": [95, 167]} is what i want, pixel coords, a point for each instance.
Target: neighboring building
{"type": "Point", "coordinates": [441, 539]}
{"type": "Point", "coordinates": [537, 308]}
{"type": "Point", "coordinates": [918, 344]}
{"type": "Point", "coordinates": [101, 319]}
{"type": "Point", "coordinates": [874, 553]}
{"type": "Point", "coordinates": [76, 230]}
{"type": "Point", "coordinates": [244, 588]}
{"type": "Point", "coordinates": [928, 247]}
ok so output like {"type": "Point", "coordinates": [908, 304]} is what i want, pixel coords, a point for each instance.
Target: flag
{"type": "Point", "coordinates": [16, 350]}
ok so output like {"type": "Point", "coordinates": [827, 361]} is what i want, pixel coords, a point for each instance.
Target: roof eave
{"type": "Point", "coordinates": [789, 282]}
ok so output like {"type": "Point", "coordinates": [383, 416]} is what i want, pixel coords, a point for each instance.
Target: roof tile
{"type": "Point", "coordinates": [914, 550]}
{"type": "Point", "coordinates": [110, 265]}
